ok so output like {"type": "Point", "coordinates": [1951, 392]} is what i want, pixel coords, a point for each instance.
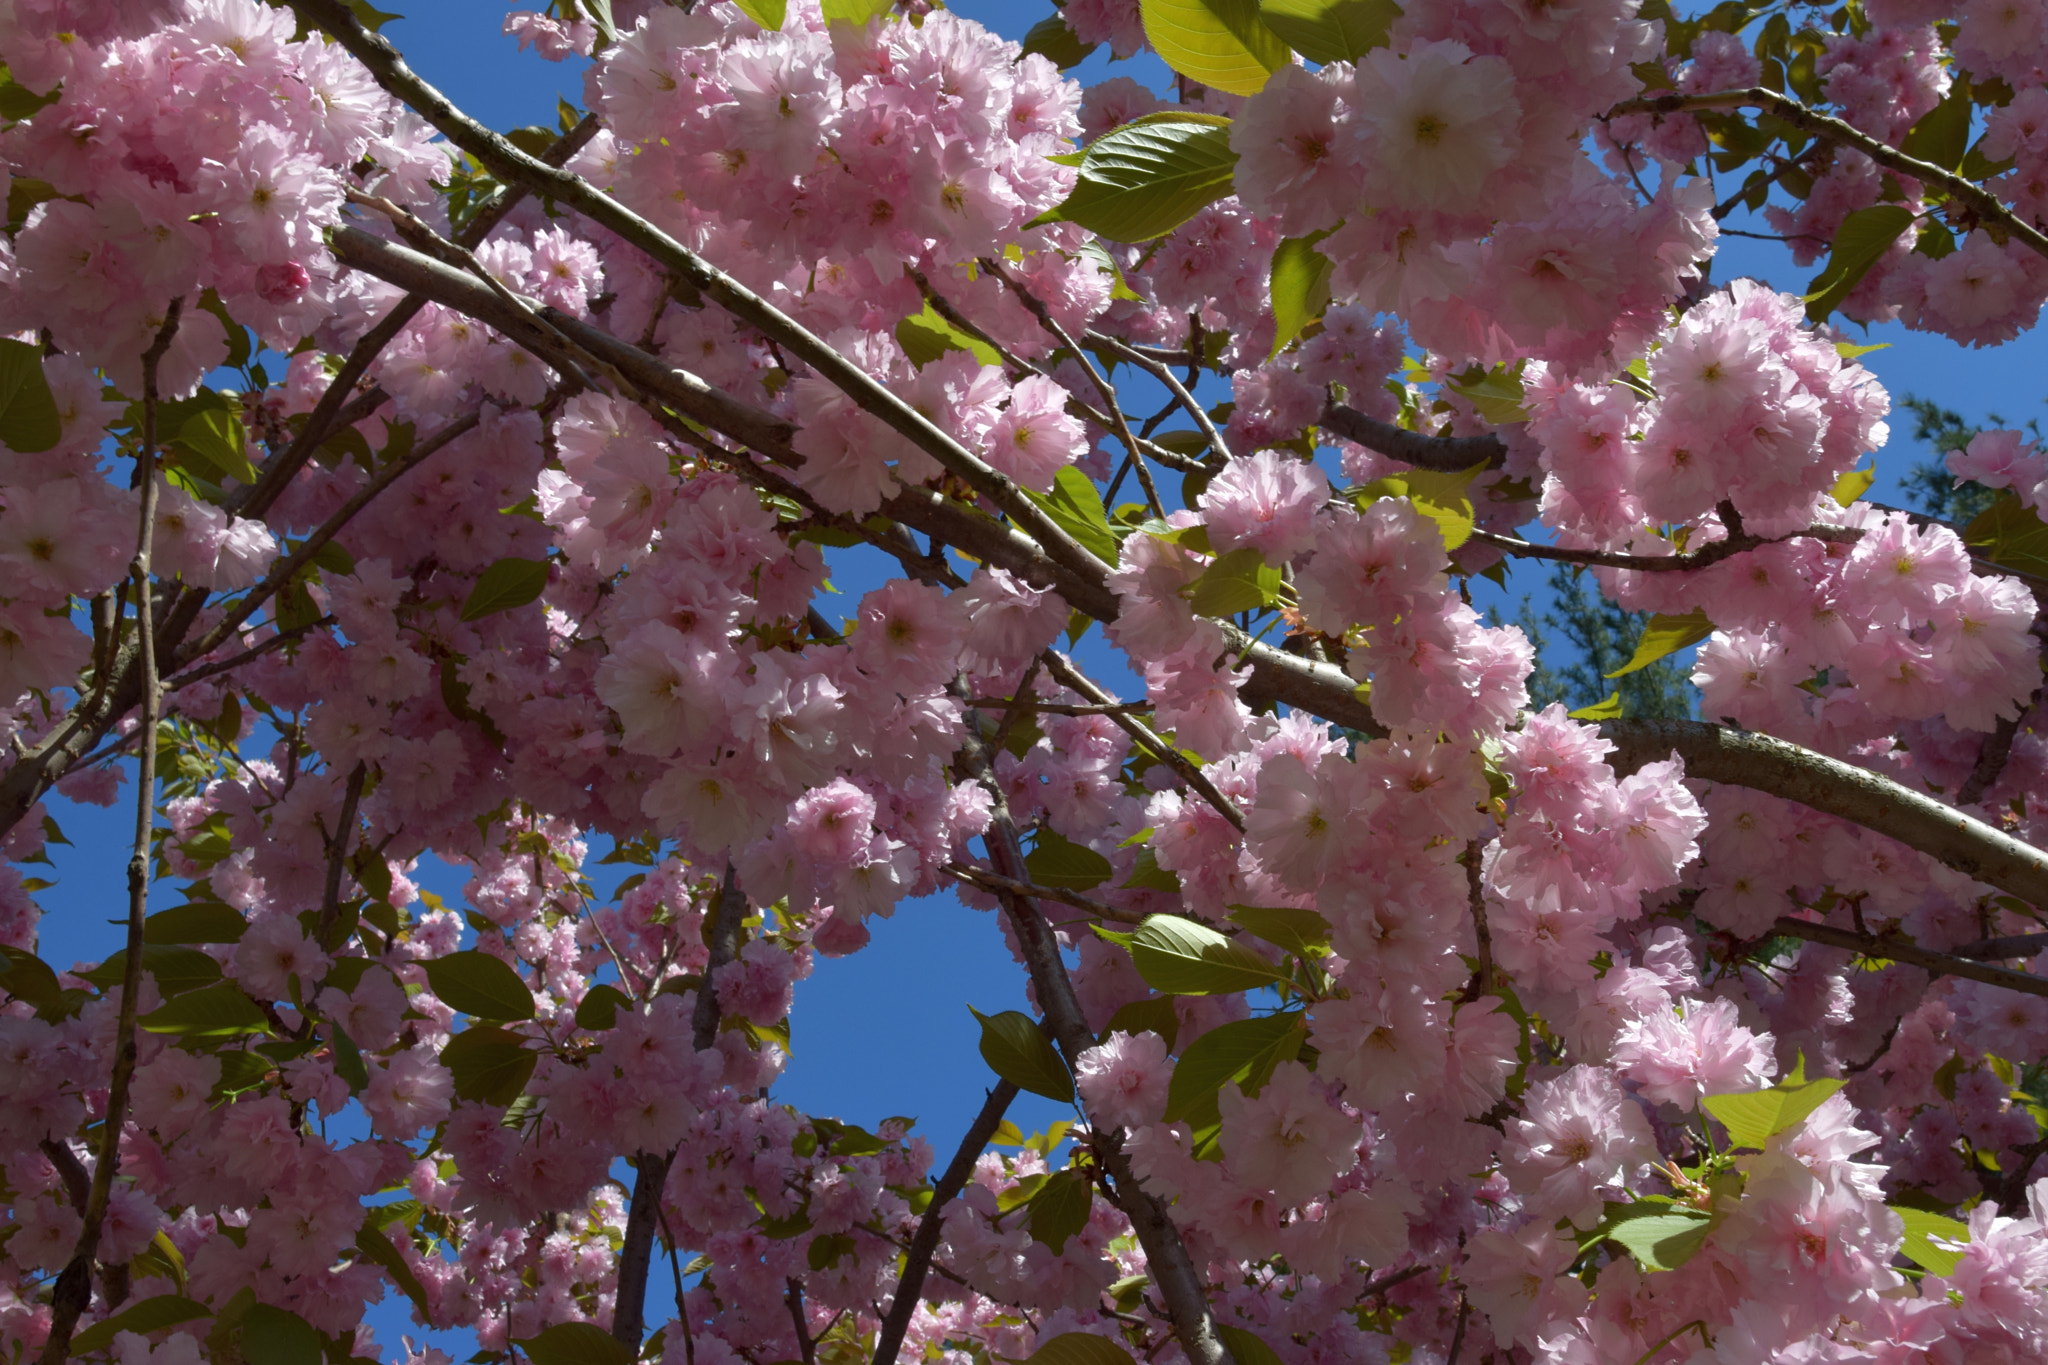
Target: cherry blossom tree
{"type": "Point", "coordinates": [377, 485]}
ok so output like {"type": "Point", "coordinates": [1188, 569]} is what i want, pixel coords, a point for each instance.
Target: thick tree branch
{"type": "Point", "coordinates": [925, 1241]}
{"type": "Point", "coordinates": [1988, 207]}
{"type": "Point", "coordinates": [1447, 454]}
{"type": "Point", "coordinates": [337, 856]}
{"type": "Point", "coordinates": [1748, 759]}
{"type": "Point", "coordinates": [1900, 950]}
{"type": "Point", "coordinates": [2017, 945]}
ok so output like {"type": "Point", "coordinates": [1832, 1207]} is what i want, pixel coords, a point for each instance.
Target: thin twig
{"type": "Point", "coordinates": [73, 1291]}
{"type": "Point", "coordinates": [1705, 557]}
{"type": "Point", "coordinates": [1987, 207]}
{"type": "Point", "coordinates": [1162, 372]}
{"type": "Point", "coordinates": [1065, 673]}
{"type": "Point", "coordinates": [924, 1242]}
{"type": "Point", "coordinates": [995, 883]}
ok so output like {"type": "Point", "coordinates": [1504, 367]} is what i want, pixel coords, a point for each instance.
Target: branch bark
{"type": "Point", "coordinates": [1173, 1271]}
{"type": "Point", "coordinates": [1447, 454]}
{"type": "Point", "coordinates": [73, 1291]}
{"type": "Point", "coordinates": [1747, 759]}
{"type": "Point", "coordinates": [650, 1173]}
{"type": "Point", "coordinates": [1899, 950]}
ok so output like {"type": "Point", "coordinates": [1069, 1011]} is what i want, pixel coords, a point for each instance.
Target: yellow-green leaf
{"type": "Point", "coordinates": [1247, 1349]}
{"type": "Point", "coordinates": [1496, 393]}
{"type": "Point", "coordinates": [769, 14]}
{"type": "Point", "coordinates": [2009, 534]}
{"type": "Point", "coordinates": [1600, 710]}
{"type": "Point", "coordinates": [215, 438]}
{"type": "Point", "coordinates": [1659, 1236]}
{"type": "Point", "coordinates": [1180, 957]}
{"type": "Point", "coordinates": [1079, 1348]}
{"type": "Point", "coordinates": [1754, 1117]}
{"type": "Point", "coordinates": [927, 336]}
{"type": "Point", "coordinates": [1058, 861]}
{"type": "Point", "coordinates": [28, 414]}
{"type": "Point", "coordinates": [1238, 581]}
{"type": "Point", "coordinates": [1221, 43]}
{"type": "Point", "coordinates": [1244, 1051]}
{"type": "Point", "coordinates": [150, 1315]}
{"type": "Point", "coordinates": [1304, 933]}
{"type": "Point", "coordinates": [1060, 1208]}
{"type": "Point", "coordinates": [1853, 485]}
{"type": "Point", "coordinates": [1864, 236]}
{"type": "Point", "coordinates": [1014, 1049]}
{"type": "Point", "coordinates": [1300, 287]}
{"type": "Point", "coordinates": [1148, 177]}
{"type": "Point", "coordinates": [1076, 508]}
{"type": "Point", "coordinates": [217, 1011]}
{"type": "Point", "coordinates": [1327, 31]}
{"type": "Point", "coordinates": [1666, 635]}
{"type": "Point", "coordinates": [1920, 1227]}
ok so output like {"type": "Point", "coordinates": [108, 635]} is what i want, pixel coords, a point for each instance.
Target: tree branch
{"type": "Point", "coordinates": [1988, 207]}
{"type": "Point", "coordinates": [1446, 454]}
{"type": "Point", "coordinates": [337, 857]}
{"type": "Point", "coordinates": [510, 164]}
{"type": "Point", "coordinates": [73, 1292]}
{"type": "Point", "coordinates": [1900, 950]}
{"type": "Point", "coordinates": [650, 1169]}
{"type": "Point", "coordinates": [925, 1241]}
{"type": "Point", "coordinates": [1063, 671]}
{"type": "Point", "coordinates": [996, 884]}
{"type": "Point", "coordinates": [1705, 557]}
{"type": "Point", "coordinates": [1173, 1271]}
{"type": "Point", "coordinates": [1748, 759]}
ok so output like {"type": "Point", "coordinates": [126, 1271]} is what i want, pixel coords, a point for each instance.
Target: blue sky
{"type": "Point", "coordinates": [887, 1031]}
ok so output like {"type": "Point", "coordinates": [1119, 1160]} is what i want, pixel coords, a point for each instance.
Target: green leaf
{"type": "Point", "coordinates": [1942, 135]}
{"type": "Point", "coordinates": [1239, 581]}
{"type": "Point", "coordinates": [176, 969]}
{"type": "Point", "coordinates": [1300, 287]}
{"type": "Point", "coordinates": [28, 414]}
{"type": "Point", "coordinates": [1076, 508]}
{"type": "Point", "coordinates": [769, 14]}
{"type": "Point", "coordinates": [599, 1009]}
{"type": "Point", "coordinates": [1754, 1118]}
{"type": "Point", "coordinates": [1496, 393]}
{"type": "Point", "coordinates": [506, 584]}
{"type": "Point", "coordinates": [348, 1062]}
{"type": "Point", "coordinates": [580, 1343]}
{"type": "Point", "coordinates": [1666, 635]}
{"type": "Point", "coordinates": [150, 1315]}
{"type": "Point", "coordinates": [1058, 44]}
{"type": "Point", "coordinates": [1180, 957]}
{"type": "Point", "coordinates": [1606, 709]}
{"type": "Point", "coordinates": [1060, 1208]}
{"type": "Point", "coordinates": [217, 1011]}
{"type": "Point", "coordinates": [1148, 875]}
{"type": "Point", "coordinates": [1145, 179]}
{"type": "Point", "coordinates": [27, 977]}
{"type": "Point", "coordinates": [852, 12]}
{"type": "Point", "coordinates": [1246, 1348]}
{"type": "Point", "coordinates": [18, 102]}
{"type": "Point", "coordinates": [217, 439]}
{"type": "Point", "coordinates": [1059, 861]}
{"type": "Point", "coordinates": [2010, 535]}
{"type": "Point", "coordinates": [1155, 1014]}
{"type": "Point", "coordinates": [376, 1248]}
{"type": "Point", "coordinates": [479, 984]}
{"type": "Point", "coordinates": [1326, 31]}
{"type": "Point", "coordinates": [1864, 236]}
{"type": "Point", "coordinates": [1849, 350]}
{"type": "Point", "coordinates": [1659, 1236]}
{"type": "Point", "coordinates": [1920, 1226]}
{"type": "Point", "coordinates": [1079, 1348]}
{"type": "Point", "coordinates": [369, 16]}
{"type": "Point", "coordinates": [1244, 1050]}
{"type": "Point", "coordinates": [1853, 485]}
{"type": "Point", "coordinates": [489, 1065]}
{"type": "Point", "coordinates": [927, 336]}
{"type": "Point", "coordinates": [1301, 932]}
{"type": "Point", "coordinates": [1445, 498]}
{"type": "Point", "coordinates": [278, 1337]}
{"type": "Point", "coordinates": [1221, 43]}
{"type": "Point", "coordinates": [1015, 1050]}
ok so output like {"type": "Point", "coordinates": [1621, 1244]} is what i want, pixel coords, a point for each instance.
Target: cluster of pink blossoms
{"type": "Point", "coordinates": [1510, 982]}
